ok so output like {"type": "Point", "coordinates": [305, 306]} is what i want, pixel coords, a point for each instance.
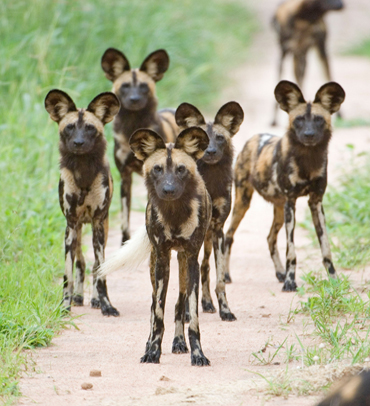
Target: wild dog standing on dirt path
{"type": "Point", "coordinates": [85, 188]}
{"type": "Point", "coordinates": [177, 218]}
{"type": "Point", "coordinates": [300, 26]}
{"type": "Point", "coordinates": [283, 169]}
{"type": "Point", "coordinates": [216, 170]}
{"type": "Point", "coordinates": [135, 88]}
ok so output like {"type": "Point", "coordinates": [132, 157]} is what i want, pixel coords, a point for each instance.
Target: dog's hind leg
{"type": "Point", "coordinates": [277, 223]}
{"type": "Point", "coordinates": [100, 293]}
{"type": "Point", "coordinates": [243, 196]}
{"type": "Point", "coordinates": [179, 344]}
{"type": "Point", "coordinates": [291, 259]}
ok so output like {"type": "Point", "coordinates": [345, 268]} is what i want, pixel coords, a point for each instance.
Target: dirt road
{"type": "Point", "coordinates": [115, 345]}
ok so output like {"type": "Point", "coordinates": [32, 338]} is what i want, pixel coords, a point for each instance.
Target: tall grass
{"type": "Point", "coordinates": [58, 44]}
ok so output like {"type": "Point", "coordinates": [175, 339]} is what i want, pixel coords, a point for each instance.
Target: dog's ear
{"type": "Point", "coordinates": [114, 63]}
{"type": "Point", "coordinates": [330, 96]}
{"type": "Point", "coordinates": [144, 142]}
{"type": "Point", "coordinates": [156, 64]}
{"type": "Point", "coordinates": [104, 106]}
{"type": "Point", "coordinates": [188, 115]}
{"type": "Point", "coordinates": [230, 116]}
{"type": "Point", "coordinates": [194, 141]}
{"type": "Point", "coordinates": [58, 104]}
{"type": "Point", "coordinates": [288, 95]}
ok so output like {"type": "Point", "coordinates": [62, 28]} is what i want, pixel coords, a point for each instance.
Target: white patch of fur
{"type": "Point", "coordinates": [191, 122]}
{"type": "Point", "coordinates": [132, 253]}
{"type": "Point", "coordinates": [194, 323]}
{"type": "Point", "coordinates": [158, 308]}
{"type": "Point", "coordinates": [187, 229]}
{"type": "Point", "coordinates": [124, 214]}
{"type": "Point", "coordinates": [325, 246]}
{"type": "Point", "coordinates": [263, 139]}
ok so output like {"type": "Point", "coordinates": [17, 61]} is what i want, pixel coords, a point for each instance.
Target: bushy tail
{"type": "Point", "coordinates": [132, 253]}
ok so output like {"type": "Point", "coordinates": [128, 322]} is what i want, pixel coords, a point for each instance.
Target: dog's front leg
{"type": "Point", "coordinates": [318, 217]}
{"type": "Point", "coordinates": [197, 356]}
{"type": "Point", "coordinates": [179, 344]}
{"type": "Point", "coordinates": [70, 244]}
{"type": "Point", "coordinates": [291, 260]}
{"type": "Point", "coordinates": [162, 272]}
{"type": "Point", "coordinates": [126, 180]}
{"type": "Point", "coordinates": [207, 303]}
{"type": "Point", "coordinates": [100, 294]}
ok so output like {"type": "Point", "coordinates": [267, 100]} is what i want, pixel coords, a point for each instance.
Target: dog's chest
{"type": "Point", "coordinates": [83, 205]}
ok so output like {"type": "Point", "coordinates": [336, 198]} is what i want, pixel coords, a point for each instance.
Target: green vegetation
{"type": "Point", "coordinates": [59, 44]}
{"type": "Point", "coordinates": [363, 49]}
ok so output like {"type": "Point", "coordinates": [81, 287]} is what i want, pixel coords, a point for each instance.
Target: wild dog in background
{"type": "Point", "coordinates": [216, 170]}
{"type": "Point", "coordinates": [300, 26]}
{"type": "Point", "coordinates": [177, 218]}
{"type": "Point", "coordinates": [283, 169]}
{"type": "Point", "coordinates": [135, 88]}
{"type": "Point", "coordinates": [85, 188]}
{"type": "Point", "coordinates": [350, 391]}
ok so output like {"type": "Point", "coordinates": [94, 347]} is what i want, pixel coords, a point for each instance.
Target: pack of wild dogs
{"type": "Point", "coordinates": [187, 165]}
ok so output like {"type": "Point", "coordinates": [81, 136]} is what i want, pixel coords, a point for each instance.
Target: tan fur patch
{"type": "Point", "coordinates": [349, 390]}
{"type": "Point", "coordinates": [187, 229]}
{"type": "Point", "coordinates": [126, 77]}
{"type": "Point", "coordinates": [88, 118]}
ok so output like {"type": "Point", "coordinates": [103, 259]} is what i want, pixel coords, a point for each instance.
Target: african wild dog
{"type": "Point", "coordinates": [283, 169]}
{"type": "Point", "coordinates": [216, 170]}
{"type": "Point", "coordinates": [300, 26]}
{"type": "Point", "coordinates": [135, 88]}
{"type": "Point", "coordinates": [350, 391]}
{"type": "Point", "coordinates": [177, 218]}
{"type": "Point", "coordinates": [85, 188]}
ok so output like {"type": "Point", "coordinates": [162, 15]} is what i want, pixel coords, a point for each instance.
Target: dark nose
{"type": "Point", "coordinates": [309, 133]}
{"type": "Point", "coordinates": [169, 189]}
{"type": "Point", "coordinates": [78, 143]}
{"type": "Point", "coordinates": [134, 98]}
{"type": "Point", "coordinates": [211, 151]}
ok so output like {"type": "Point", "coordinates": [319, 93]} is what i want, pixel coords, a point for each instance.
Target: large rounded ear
{"type": "Point", "coordinates": [144, 142]}
{"type": "Point", "coordinates": [155, 64]}
{"type": "Point", "coordinates": [58, 104]}
{"type": "Point", "coordinates": [104, 106]}
{"type": "Point", "coordinates": [230, 116]}
{"type": "Point", "coordinates": [288, 95]}
{"type": "Point", "coordinates": [330, 96]}
{"type": "Point", "coordinates": [194, 141]}
{"type": "Point", "coordinates": [188, 115]}
{"type": "Point", "coordinates": [114, 63]}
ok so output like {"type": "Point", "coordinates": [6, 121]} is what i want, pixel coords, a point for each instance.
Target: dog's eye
{"type": "Point", "coordinates": [125, 86]}
{"type": "Point", "coordinates": [69, 127]}
{"type": "Point", "coordinates": [299, 120]}
{"type": "Point", "coordinates": [90, 128]}
{"type": "Point", "coordinates": [220, 138]}
{"type": "Point", "coordinates": [181, 169]}
{"type": "Point", "coordinates": [157, 169]}
{"type": "Point", "coordinates": [144, 87]}
{"type": "Point", "coordinates": [319, 119]}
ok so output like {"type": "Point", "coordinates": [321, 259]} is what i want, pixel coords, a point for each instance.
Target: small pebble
{"type": "Point", "coordinates": [86, 386]}
{"type": "Point", "coordinates": [95, 372]}
{"type": "Point", "coordinates": [322, 345]}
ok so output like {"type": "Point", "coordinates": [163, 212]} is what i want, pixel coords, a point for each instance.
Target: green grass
{"type": "Point", "coordinates": [362, 49]}
{"type": "Point", "coordinates": [59, 44]}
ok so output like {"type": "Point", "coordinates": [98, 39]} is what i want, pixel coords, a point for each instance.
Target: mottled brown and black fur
{"type": "Point", "coordinates": [216, 170]}
{"type": "Point", "coordinates": [135, 88]}
{"type": "Point", "coordinates": [350, 391]}
{"type": "Point", "coordinates": [85, 188]}
{"type": "Point", "coordinates": [283, 169]}
{"type": "Point", "coordinates": [177, 217]}
{"type": "Point", "coordinates": [300, 26]}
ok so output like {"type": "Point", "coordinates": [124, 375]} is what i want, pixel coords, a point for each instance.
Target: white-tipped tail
{"type": "Point", "coordinates": [132, 253]}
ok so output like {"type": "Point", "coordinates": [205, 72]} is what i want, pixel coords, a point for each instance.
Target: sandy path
{"type": "Point", "coordinates": [115, 345]}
